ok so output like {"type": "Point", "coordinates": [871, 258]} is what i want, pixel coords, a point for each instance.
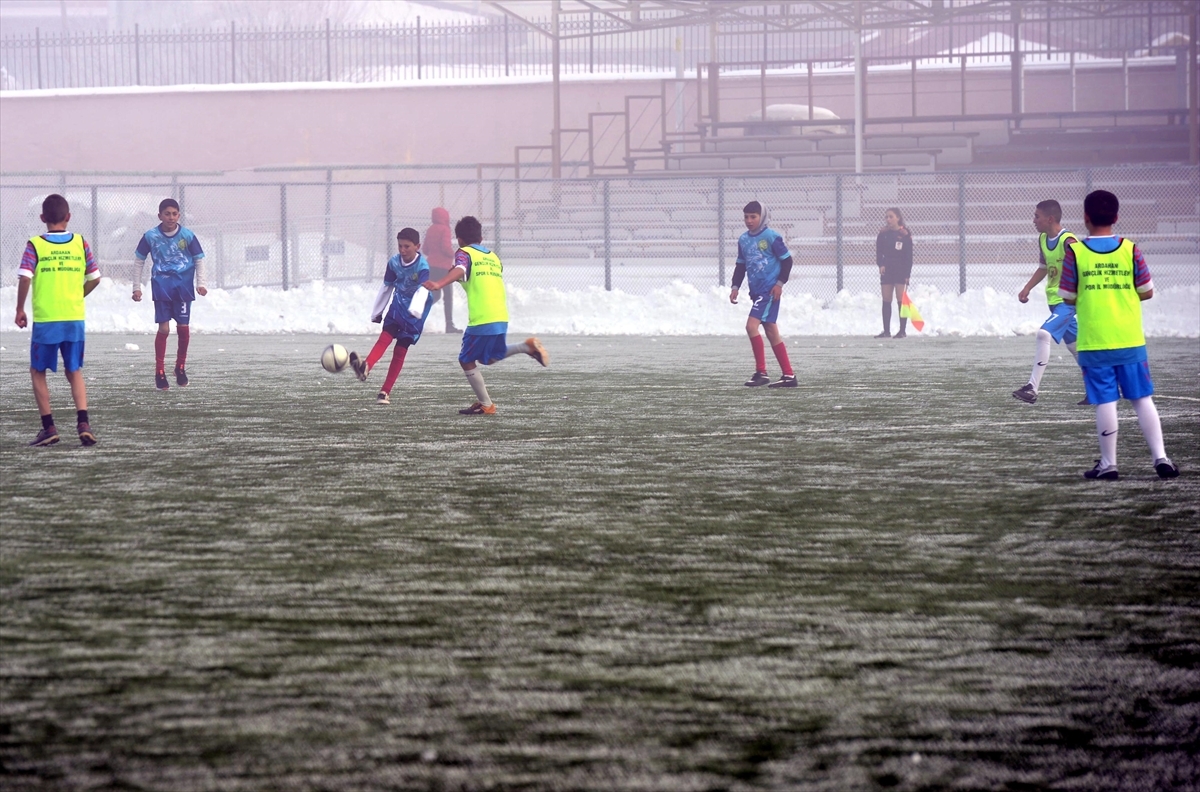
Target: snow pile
{"type": "Point", "coordinates": [676, 309]}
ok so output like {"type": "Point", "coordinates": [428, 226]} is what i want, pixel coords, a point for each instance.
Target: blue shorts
{"type": "Point", "coordinates": [485, 349]}
{"type": "Point", "coordinates": [179, 310]}
{"type": "Point", "coordinates": [1062, 325]}
{"type": "Point", "coordinates": [45, 356]}
{"type": "Point", "coordinates": [1132, 379]}
{"type": "Point", "coordinates": [765, 308]}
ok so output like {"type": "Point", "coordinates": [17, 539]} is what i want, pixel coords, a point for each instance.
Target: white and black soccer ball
{"type": "Point", "coordinates": [334, 358]}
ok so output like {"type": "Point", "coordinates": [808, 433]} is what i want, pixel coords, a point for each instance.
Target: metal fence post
{"type": "Point", "coordinates": [496, 217]}
{"type": "Point", "coordinates": [391, 229]}
{"type": "Point", "coordinates": [962, 233]}
{"type": "Point", "coordinates": [232, 53]}
{"type": "Point", "coordinates": [38, 38]}
{"type": "Point", "coordinates": [328, 53]}
{"type": "Point", "coordinates": [95, 229]}
{"type": "Point", "coordinates": [506, 45]}
{"type": "Point", "coordinates": [137, 56]}
{"type": "Point", "coordinates": [283, 233]}
{"type": "Point", "coordinates": [418, 48]}
{"type": "Point", "coordinates": [840, 258]}
{"type": "Point", "coordinates": [720, 230]}
{"type": "Point", "coordinates": [328, 224]}
{"type": "Point", "coordinates": [607, 240]}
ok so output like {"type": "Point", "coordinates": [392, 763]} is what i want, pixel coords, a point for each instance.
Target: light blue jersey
{"type": "Point", "coordinates": [405, 281]}
{"type": "Point", "coordinates": [762, 254]}
{"type": "Point", "coordinates": [173, 276]}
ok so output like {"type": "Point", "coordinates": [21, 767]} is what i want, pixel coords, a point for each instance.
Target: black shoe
{"type": "Point", "coordinates": [1107, 474]}
{"type": "Point", "coordinates": [1165, 468]}
{"type": "Point", "coordinates": [160, 381]}
{"type": "Point", "coordinates": [901, 334]}
{"type": "Point", "coordinates": [452, 330]}
{"type": "Point", "coordinates": [1083, 403]}
{"type": "Point", "coordinates": [786, 381]}
{"type": "Point", "coordinates": [885, 334]}
{"type": "Point", "coordinates": [359, 365]}
{"type": "Point", "coordinates": [181, 378]}
{"type": "Point", "coordinates": [46, 437]}
{"type": "Point", "coordinates": [85, 433]}
{"type": "Point", "coordinates": [759, 378]}
{"type": "Point", "coordinates": [1026, 393]}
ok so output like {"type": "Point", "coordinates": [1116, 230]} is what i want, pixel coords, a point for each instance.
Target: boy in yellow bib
{"type": "Point", "coordinates": [59, 268]}
{"type": "Point", "coordinates": [484, 340]}
{"type": "Point", "coordinates": [1106, 279]}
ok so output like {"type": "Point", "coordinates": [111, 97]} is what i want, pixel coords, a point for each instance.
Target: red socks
{"type": "Point", "coordinates": [781, 355]}
{"type": "Point", "coordinates": [185, 335]}
{"type": "Point", "coordinates": [385, 340]}
{"type": "Point", "coordinates": [160, 351]}
{"type": "Point", "coordinates": [394, 368]}
{"type": "Point", "coordinates": [760, 353]}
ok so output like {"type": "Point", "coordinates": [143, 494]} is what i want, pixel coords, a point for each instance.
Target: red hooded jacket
{"type": "Point", "coordinates": [439, 247]}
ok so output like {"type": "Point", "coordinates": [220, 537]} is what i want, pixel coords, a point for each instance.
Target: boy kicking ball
{"type": "Point", "coordinates": [763, 256]}
{"type": "Point", "coordinates": [1106, 279]}
{"type": "Point", "coordinates": [484, 340]}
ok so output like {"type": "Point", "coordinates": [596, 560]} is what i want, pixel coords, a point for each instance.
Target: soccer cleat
{"type": "Point", "coordinates": [1083, 403]}
{"type": "Point", "coordinates": [479, 409]}
{"type": "Point", "coordinates": [181, 377]}
{"type": "Point", "coordinates": [85, 433]}
{"type": "Point", "coordinates": [1025, 393]}
{"type": "Point", "coordinates": [759, 378]}
{"type": "Point", "coordinates": [160, 380]}
{"type": "Point", "coordinates": [539, 352]}
{"type": "Point", "coordinates": [46, 437]}
{"type": "Point", "coordinates": [452, 330]}
{"type": "Point", "coordinates": [383, 398]}
{"type": "Point", "coordinates": [360, 366]}
{"type": "Point", "coordinates": [885, 334]}
{"type": "Point", "coordinates": [1105, 473]}
{"type": "Point", "coordinates": [786, 381]}
{"type": "Point", "coordinates": [1165, 468]}
{"type": "Point", "coordinates": [901, 334]}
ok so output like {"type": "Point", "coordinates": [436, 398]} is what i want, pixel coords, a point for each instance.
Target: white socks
{"type": "Point", "coordinates": [1106, 431]}
{"type": "Point", "coordinates": [1148, 419]}
{"type": "Point", "coordinates": [475, 377]}
{"type": "Point", "coordinates": [517, 349]}
{"type": "Point", "coordinates": [1044, 340]}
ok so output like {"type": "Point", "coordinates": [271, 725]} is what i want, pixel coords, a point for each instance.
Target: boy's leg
{"type": "Point", "coordinates": [79, 394]}
{"type": "Point", "coordinates": [530, 346]}
{"type": "Point", "coordinates": [756, 344]}
{"type": "Point", "coordinates": [1147, 415]}
{"type": "Point", "coordinates": [41, 391]}
{"type": "Point", "coordinates": [779, 348]}
{"type": "Point", "coordinates": [1101, 385]}
{"type": "Point", "coordinates": [160, 346]}
{"type": "Point", "coordinates": [475, 378]}
{"type": "Point", "coordinates": [381, 345]}
{"type": "Point", "coordinates": [1106, 431]}
{"type": "Point", "coordinates": [41, 358]}
{"type": "Point", "coordinates": [394, 367]}
{"type": "Point", "coordinates": [1041, 358]}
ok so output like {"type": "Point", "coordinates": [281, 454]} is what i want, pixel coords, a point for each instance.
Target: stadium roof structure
{"type": "Point", "coordinates": [850, 16]}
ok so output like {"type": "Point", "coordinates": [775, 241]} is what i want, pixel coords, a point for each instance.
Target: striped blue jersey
{"type": "Point", "coordinates": [762, 253]}
{"type": "Point", "coordinates": [174, 272]}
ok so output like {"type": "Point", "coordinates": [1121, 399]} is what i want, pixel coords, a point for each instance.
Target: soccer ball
{"type": "Point", "coordinates": [334, 358]}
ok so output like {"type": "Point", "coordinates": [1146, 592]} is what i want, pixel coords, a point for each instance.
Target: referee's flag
{"type": "Point", "coordinates": [910, 312]}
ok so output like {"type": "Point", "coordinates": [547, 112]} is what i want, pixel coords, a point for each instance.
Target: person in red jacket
{"type": "Point", "coordinates": [439, 251]}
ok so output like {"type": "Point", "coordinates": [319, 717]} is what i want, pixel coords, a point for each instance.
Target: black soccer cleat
{"type": "Point", "coordinates": [1165, 468]}
{"type": "Point", "coordinates": [885, 334]}
{"type": "Point", "coordinates": [1104, 473]}
{"type": "Point", "coordinates": [1026, 393]}
{"type": "Point", "coordinates": [901, 334]}
{"type": "Point", "coordinates": [1083, 403]}
{"type": "Point", "coordinates": [759, 378]}
{"type": "Point", "coordinates": [786, 381]}
{"type": "Point", "coordinates": [160, 380]}
{"type": "Point", "coordinates": [360, 366]}
{"type": "Point", "coordinates": [181, 377]}
{"type": "Point", "coordinates": [46, 437]}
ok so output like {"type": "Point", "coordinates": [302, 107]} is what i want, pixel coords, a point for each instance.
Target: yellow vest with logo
{"type": "Point", "coordinates": [486, 302]}
{"type": "Point", "coordinates": [58, 280]}
{"type": "Point", "coordinates": [1107, 305]}
{"type": "Point", "coordinates": [1054, 260]}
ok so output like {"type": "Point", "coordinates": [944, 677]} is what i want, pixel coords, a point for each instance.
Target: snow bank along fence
{"type": "Point", "coordinates": [591, 43]}
{"type": "Point", "coordinates": [971, 230]}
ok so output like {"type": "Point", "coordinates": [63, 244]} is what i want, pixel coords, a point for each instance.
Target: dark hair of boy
{"type": "Point", "coordinates": [469, 231]}
{"type": "Point", "coordinates": [410, 234]}
{"type": "Point", "coordinates": [1101, 207]}
{"type": "Point", "coordinates": [167, 202]}
{"type": "Point", "coordinates": [754, 207]}
{"type": "Point", "coordinates": [1051, 209]}
{"type": "Point", "coordinates": [55, 209]}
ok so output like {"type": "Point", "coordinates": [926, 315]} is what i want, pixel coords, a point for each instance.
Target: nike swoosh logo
{"type": "Point", "coordinates": [1041, 364]}
{"type": "Point", "coordinates": [1106, 434]}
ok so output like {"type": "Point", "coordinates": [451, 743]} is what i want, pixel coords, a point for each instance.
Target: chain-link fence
{"type": "Point", "coordinates": [970, 230]}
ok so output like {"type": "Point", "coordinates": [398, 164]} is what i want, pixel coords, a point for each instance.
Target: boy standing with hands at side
{"type": "Point", "coordinates": [763, 256]}
{"type": "Point", "coordinates": [60, 269]}
{"type": "Point", "coordinates": [1106, 279]}
{"type": "Point", "coordinates": [175, 278]}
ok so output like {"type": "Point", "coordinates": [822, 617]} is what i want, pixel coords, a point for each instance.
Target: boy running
{"type": "Point", "coordinates": [60, 269]}
{"type": "Point", "coordinates": [763, 256]}
{"type": "Point", "coordinates": [406, 272]}
{"type": "Point", "coordinates": [175, 278]}
{"type": "Point", "coordinates": [1053, 240]}
{"type": "Point", "coordinates": [1106, 279]}
{"type": "Point", "coordinates": [484, 340]}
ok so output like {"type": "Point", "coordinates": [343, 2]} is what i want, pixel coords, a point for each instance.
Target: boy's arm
{"type": "Point", "coordinates": [139, 267]}
{"type": "Point", "coordinates": [197, 254]}
{"type": "Point", "coordinates": [22, 292]}
{"type": "Point", "coordinates": [1037, 275]}
{"type": "Point", "coordinates": [91, 277]}
{"type": "Point", "coordinates": [1068, 280]}
{"type": "Point", "coordinates": [1141, 276]}
{"type": "Point", "coordinates": [381, 301]}
{"type": "Point", "coordinates": [456, 274]}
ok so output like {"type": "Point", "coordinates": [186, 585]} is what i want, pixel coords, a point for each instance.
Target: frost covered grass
{"type": "Point", "coordinates": [677, 308]}
{"type": "Point", "coordinates": [638, 575]}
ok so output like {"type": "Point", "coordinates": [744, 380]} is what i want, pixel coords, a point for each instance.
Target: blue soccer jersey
{"type": "Point", "coordinates": [173, 275]}
{"type": "Point", "coordinates": [405, 281]}
{"type": "Point", "coordinates": [762, 254]}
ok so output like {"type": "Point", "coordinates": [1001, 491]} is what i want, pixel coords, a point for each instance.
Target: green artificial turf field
{"type": "Point", "coordinates": [638, 575]}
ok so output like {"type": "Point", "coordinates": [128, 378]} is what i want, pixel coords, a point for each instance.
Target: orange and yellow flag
{"type": "Point", "coordinates": [910, 312]}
